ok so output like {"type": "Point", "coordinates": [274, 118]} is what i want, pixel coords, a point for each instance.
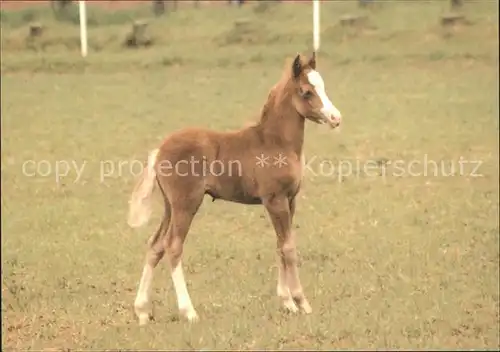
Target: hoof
{"type": "Point", "coordinates": [145, 318]}
{"type": "Point", "coordinates": [190, 315]}
{"type": "Point", "coordinates": [306, 307]}
{"type": "Point", "coordinates": [290, 306]}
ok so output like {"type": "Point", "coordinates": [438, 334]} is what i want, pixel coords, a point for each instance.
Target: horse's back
{"type": "Point", "coordinates": [187, 142]}
{"type": "Point", "coordinates": [195, 139]}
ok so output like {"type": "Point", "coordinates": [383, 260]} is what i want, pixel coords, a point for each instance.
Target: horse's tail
{"type": "Point", "coordinates": [140, 200]}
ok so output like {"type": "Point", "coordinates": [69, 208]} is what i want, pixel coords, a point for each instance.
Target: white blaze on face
{"type": "Point", "coordinates": [329, 111]}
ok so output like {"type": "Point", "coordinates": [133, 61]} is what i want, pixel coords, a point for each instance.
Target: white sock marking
{"type": "Point", "coordinates": [142, 299]}
{"type": "Point", "coordinates": [282, 288]}
{"type": "Point", "coordinates": [283, 291]}
{"type": "Point", "coordinates": [183, 300]}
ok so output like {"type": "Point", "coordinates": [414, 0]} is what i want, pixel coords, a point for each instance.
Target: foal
{"type": "Point", "coordinates": [260, 164]}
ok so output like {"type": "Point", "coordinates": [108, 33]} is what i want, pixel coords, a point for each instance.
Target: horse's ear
{"type": "Point", "coordinates": [297, 66]}
{"type": "Point", "coordinates": [312, 61]}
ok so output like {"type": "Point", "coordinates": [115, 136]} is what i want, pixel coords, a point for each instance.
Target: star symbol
{"type": "Point", "coordinates": [280, 160]}
{"type": "Point", "coordinates": [262, 160]}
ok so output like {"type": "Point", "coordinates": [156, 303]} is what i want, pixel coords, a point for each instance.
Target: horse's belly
{"type": "Point", "coordinates": [249, 200]}
{"type": "Point", "coordinates": [233, 189]}
{"type": "Point", "coordinates": [236, 198]}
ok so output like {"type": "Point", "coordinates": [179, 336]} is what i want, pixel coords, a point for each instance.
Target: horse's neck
{"type": "Point", "coordinates": [282, 125]}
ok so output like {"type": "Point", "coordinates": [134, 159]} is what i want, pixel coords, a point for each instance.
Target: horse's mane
{"type": "Point", "coordinates": [279, 91]}
{"type": "Point", "coordinates": [264, 112]}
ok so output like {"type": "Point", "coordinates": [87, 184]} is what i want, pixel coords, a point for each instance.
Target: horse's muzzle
{"type": "Point", "coordinates": [334, 121]}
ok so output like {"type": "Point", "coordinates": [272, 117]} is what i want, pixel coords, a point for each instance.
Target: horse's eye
{"type": "Point", "coordinates": [307, 94]}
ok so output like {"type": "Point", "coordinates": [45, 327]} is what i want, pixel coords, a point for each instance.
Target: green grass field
{"type": "Point", "coordinates": [389, 259]}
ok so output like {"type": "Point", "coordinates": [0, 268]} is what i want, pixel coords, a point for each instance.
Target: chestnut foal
{"type": "Point", "coordinates": [246, 175]}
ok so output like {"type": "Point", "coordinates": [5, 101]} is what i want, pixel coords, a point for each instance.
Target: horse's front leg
{"type": "Point", "coordinates": [289, 288]}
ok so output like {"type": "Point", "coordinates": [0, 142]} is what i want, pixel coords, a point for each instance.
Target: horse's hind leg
{"type": "Point", "coordinates": [183, 211]}
{"type": "Point", "coordinates": [156, 250]}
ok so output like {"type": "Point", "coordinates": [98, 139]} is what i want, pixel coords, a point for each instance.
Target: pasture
{"type": "Point", "coordinates": [397, 220]}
